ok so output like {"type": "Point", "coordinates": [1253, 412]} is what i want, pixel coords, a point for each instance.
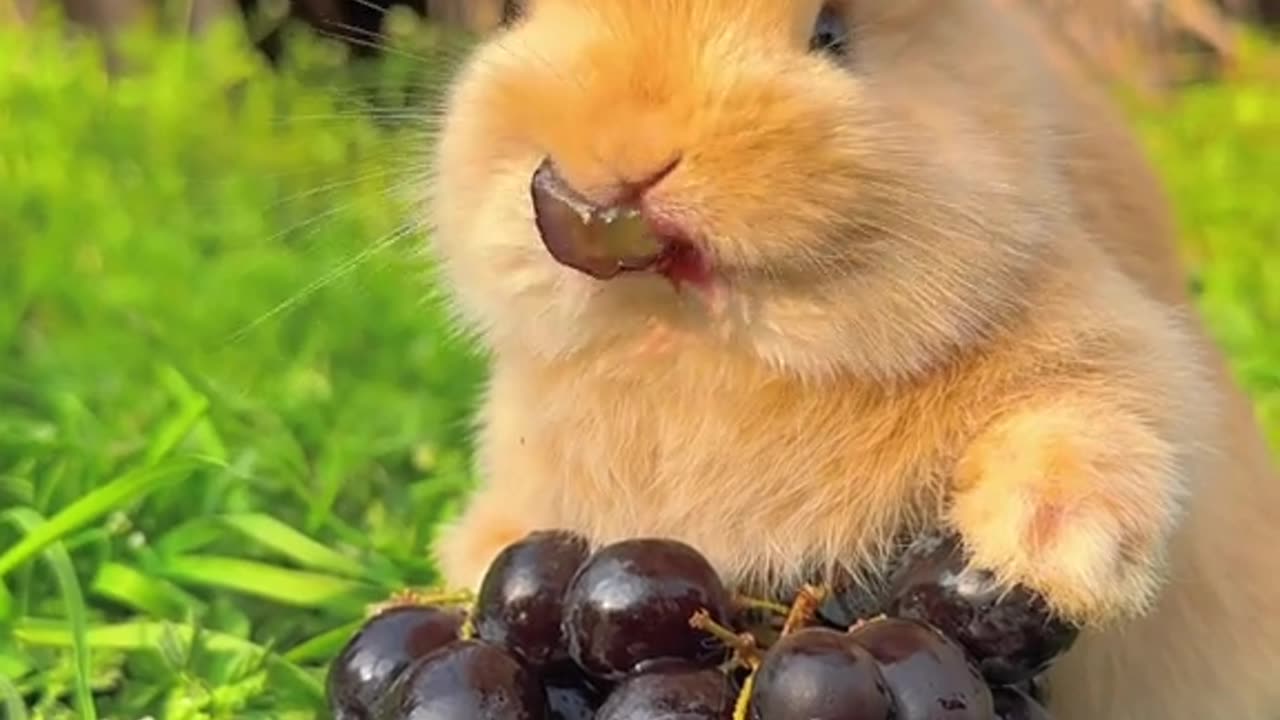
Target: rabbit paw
{"type": "Point", "coordinates": [1074, 502]}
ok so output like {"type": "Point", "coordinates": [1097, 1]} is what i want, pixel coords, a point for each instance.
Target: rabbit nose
{"type": "Point", "coordinates": [601, 238]}
{"type": "Point", "coordinates": [632, 191]}
{"type": "Point", "coordinates": [624, 182]}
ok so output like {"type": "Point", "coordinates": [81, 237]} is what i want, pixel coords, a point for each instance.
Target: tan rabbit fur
{"type": "Point", "coordinates": [944, 290]}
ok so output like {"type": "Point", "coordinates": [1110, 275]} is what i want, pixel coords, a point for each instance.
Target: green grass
{"type": "Point", "coordinates": [199, 488]}
{"type": "Point", "coordinates": [195, 490]}
{"type": "Point", "coordinates": [1218, 148]}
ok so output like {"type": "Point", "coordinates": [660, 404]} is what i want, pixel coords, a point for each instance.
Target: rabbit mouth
{"type": "Point", "coordinates": [606, 242]}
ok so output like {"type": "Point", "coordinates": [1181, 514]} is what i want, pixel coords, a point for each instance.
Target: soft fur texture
{"type": "Point", "coordinates": [945, 291]}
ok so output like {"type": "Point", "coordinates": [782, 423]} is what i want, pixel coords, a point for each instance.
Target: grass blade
{"type": "Point", "coordinates": [133, 588]}
{"type": "Point", "coordinates": [29, 521]}
{"type": "Point", "coordinates": [324, 646]}
{"type": "Point", "coordinates": [138, 636]}
{"type": "Point", "coordinates": [175, 430]}
{"type": "Point", "coordinates": [195, 534]}
{"type": "Point", "coordinates": [6, 603]}
{"type": "Point", "coordinates": [293, 544]}
{"type": "Point", "coordinates": [111, 496]}
{"type": "Point", "coordinates": [17, 488]}
{"type": "Point", "coordinates": [283, 585]}
{"type": "Point", "coordinates": [11, 701]}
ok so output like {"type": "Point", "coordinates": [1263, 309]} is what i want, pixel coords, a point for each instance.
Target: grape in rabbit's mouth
{"type": "Point", "coordinates": [604, 242]}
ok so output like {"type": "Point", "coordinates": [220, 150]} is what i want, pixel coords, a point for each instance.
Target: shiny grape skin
{"type": "Point", "coordinates": [1011, 635]}
{"type": "Point", "coordinates": [521, 598]}
{"type": "Point", "coordinates": [820, 674]}
{"type": "Point", "coordinates": [686, 693]}
{"type": "Point", "coordinates": [380, 650]}
{"type": "Point", "coordinates": [929, 675]}
{"type": "Point", "coordinates": [849, 598]}
{"type": "Point", "coordinates": [571, 693]}
{"type": "Point", "coordinates": [466, 680]}
{"type": "Point", "coordinates": [631, 603]}
{"type": "Point", "coordinates": [570, 703]}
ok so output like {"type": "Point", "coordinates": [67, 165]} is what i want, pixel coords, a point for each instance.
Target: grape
{"type": "Point", "coordinates": [686, 693]}
{"type": "Point", "coordinates": [1037, 688]}
{"type": "Point", "coordinates": [850, 598]}
{"type": "Point", "coordinates": [380, 650]}
{"type": "Point", "coordinates": [817, 673]}
{"type": "Point", "coordinates": [601, 242]}
{"type": "Point", "coordinates": [466, 680]}
{"type": "Point", "coordinates": [570, 703]}
{"type": "Point", "coordinates": [520, 602]}
{"type": "Point", "coordinates": [571, 694]}
{"type": "Point", "coordinates": [1012, 636]}
{"type": "Point", "coordinates": [1013, 704]}
{"type": "Point", "coordinates": [929, 675]}
{"type": "Point", "coordinates": [630, 604]}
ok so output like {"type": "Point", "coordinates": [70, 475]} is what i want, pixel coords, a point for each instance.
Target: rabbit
{"type": "Point", "coordinates": [907, 268]}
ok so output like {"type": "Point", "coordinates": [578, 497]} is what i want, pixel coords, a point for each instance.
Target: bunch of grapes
{"type": "Point", "coordinates": [645, 628]}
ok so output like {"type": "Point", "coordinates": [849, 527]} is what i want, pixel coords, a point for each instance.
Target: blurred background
{"type": "Point", "coordinates": [231, 408]}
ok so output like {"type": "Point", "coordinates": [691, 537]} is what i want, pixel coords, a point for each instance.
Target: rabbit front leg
{"type": "Point", "coordinates": [1075, 499]}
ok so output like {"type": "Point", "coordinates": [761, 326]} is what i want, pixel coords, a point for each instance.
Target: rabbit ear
{"type": "Point", "coordinates": [1139, 40]}
{"type": "Point", "coordinates": [476, 16]}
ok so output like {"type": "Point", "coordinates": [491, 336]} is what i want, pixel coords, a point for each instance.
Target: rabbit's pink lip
{"type": "Point", "coordinates": [605, 242]}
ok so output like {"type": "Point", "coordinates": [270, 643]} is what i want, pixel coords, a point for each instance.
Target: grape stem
{"type": "Point", "coordinates": [750, 603]}
{"type": "Point", "coordinates": [743, 644]}
{"type": "Point", "coordinates": [418, 598]}
{"type": "Point", "coordinates": [468, 629]}
{"type": "Point", "coordinates": [803, 608]}
{"type": "Point", "coordinates": [743, 706]}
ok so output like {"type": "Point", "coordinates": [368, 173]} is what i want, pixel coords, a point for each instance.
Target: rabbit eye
{"type": "Point", "coordinates": [830, 33]}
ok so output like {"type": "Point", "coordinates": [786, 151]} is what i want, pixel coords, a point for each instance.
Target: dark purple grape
{"type": "Point", "coordinates": [850, 598]}
{"type": "Point", "coordinates": [571, 694]}
{"type": "Point", "coordinates": [598, 241]}
{"type": "Point", "coordinates": [521, 599]}
{"type": "Point", "coordinates": [1013, 704]}
{"type": "Point", "coordinates": [1012, 636]}
{"type": "Point", "coordinates": [380, 650]}
{"type": "Point", "coordinates": [466, 680]}
{"type": "Point", "coordinates": [686, 693]}
{"type": "Point", "coordinates": [631, 603]}
{"type": "Point", "coordinates": [928, 674]}
{"type": "Point", "coordinates": [570, 703]}
{"type": "Point", "coordinates": [820, 674]}
{"type": "Point", "coordinates": [1036, 688]}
